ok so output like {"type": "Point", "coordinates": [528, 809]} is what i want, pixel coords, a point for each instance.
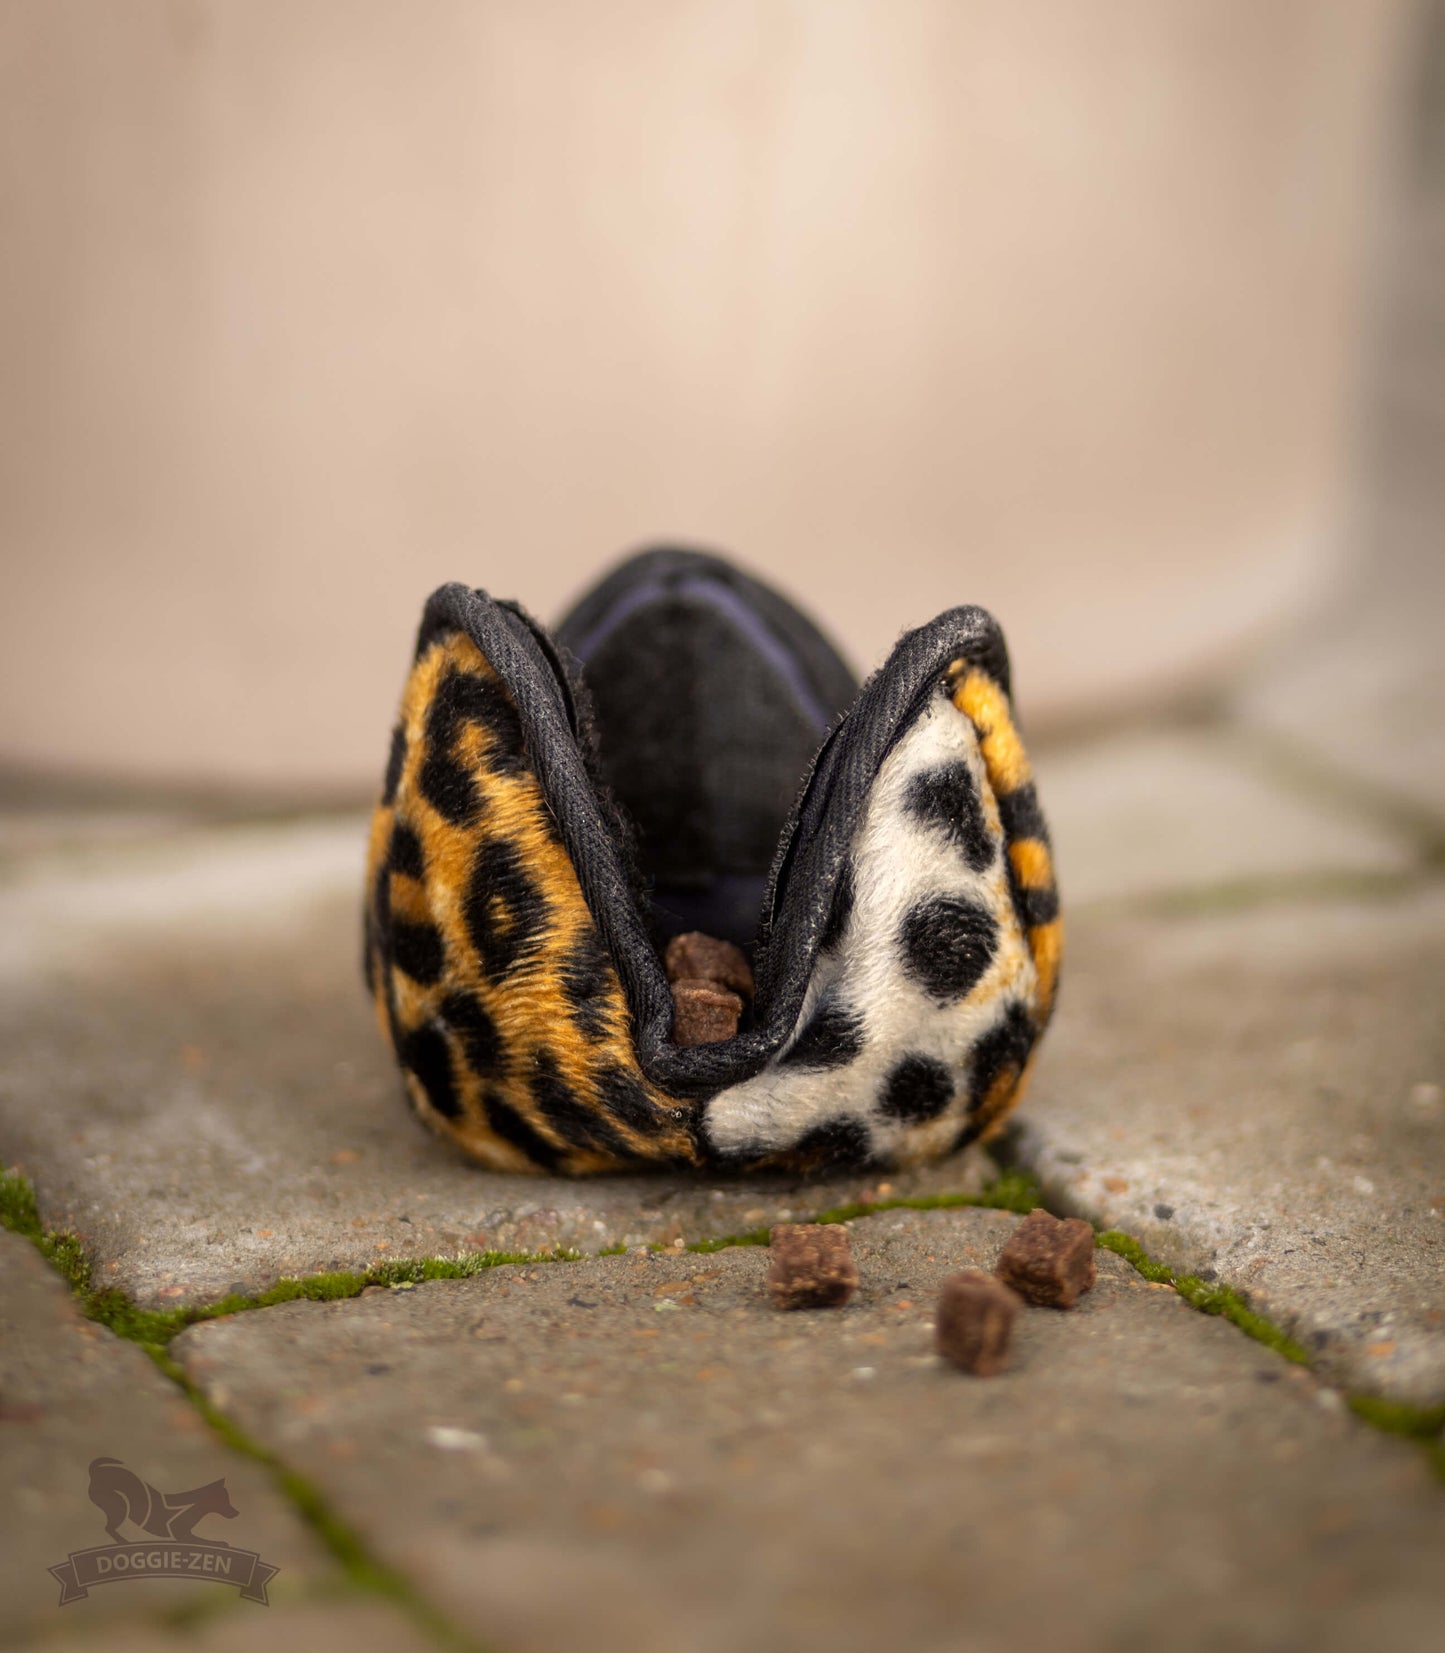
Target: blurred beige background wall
{"type": "Point", "coordinates": [308, 305]}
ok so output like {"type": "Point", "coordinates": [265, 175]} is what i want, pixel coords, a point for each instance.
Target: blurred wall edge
{"type": "Point", "coordinates": [308, 305]}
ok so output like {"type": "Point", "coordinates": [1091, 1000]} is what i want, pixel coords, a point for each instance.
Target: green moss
{"type": "Point", "coordinates": [362, 1570]}
{"type": "Point", "coordinates": [154, 1328]}
{"type": "Point", "coordinates": [1277, 889]}
{"type": "Point", "coordinates": [724, 1242]}
{"type": "Point", "coordinates": [17, 1205]}
{"type": "Point", "coordinates": [19, 1213]}
{"type": "Point", "coordinates": [1396, 1417]}
{"type": "Point", "coordinates": [1425, 1424]}
{"type": "Point", "coordinates": [1013, 1191]}
{"type": "Point", "coordinates": [157, 1327]}
{"type": "Point", "coordinates": [1200, 1294]}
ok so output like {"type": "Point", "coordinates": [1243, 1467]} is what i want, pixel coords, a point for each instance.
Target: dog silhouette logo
{"type": "Point", "coordinates": [169, 1547]}
{"type": "Point", "coordinates": [120, 1495]}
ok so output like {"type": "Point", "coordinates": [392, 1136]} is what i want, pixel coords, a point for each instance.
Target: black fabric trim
{"type": "Point", "coordinates": [811, 852]}
{"type": "Point", "coordinates": [827, 673]}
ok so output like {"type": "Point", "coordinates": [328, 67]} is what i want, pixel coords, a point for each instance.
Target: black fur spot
{"type": "Point", "coordinates": [624, 1096]}
{"type": "Point", "coordinates": [404, 853]}
{"type": "Point", "coordinates": [1008, 1045]}
{"type": "Point", "coordinates": [427, 1054]}
{"type": "Point", "coordinates": [478, 1032]}
{"type": "Point", "coordinates": [417, 949]}
{"type": "Point", "coordinates": [832, 1037]}
{"type": "Point", "coordinates": [947, 945]}
{"type": "Point", "coordinates": [448, 788]}
{"type": "Point", "coordinates": [508, 1124]}
{"type": "Point", "coordinates": [947, 797]}
{"type": "Point", "coordinates": [918, 1088]}
{"type": "Point", "coordinates": [461, 698]}
{"type": "Point", "coordinates": [1020, 814]}
{"type": "Point", "coordinates": [504, 911]}
{"type": "Point", "coordinates": [565, 1111]}
{"type": "Point", "coordinates": [1034, 906]}
{"type": "Point", "coordinates": [843, 1144]}
{"type": "Point", "coordinates": [395, 762]}
{"type": "Point", "coordinates": [483, 700]}
{"type": "Point", "coordinates": [368, 941]}
{"type": "Point", "coordinates": [381, 900]}
{"type": "Point", "coordinates": [840, 909]}
{"type": "Point", "coordinates": [587, 981]}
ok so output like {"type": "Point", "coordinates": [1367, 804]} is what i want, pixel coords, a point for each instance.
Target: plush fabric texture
{"type": "Point", "coordinates": [938, 970]}
{"type": "Point", "coordinates": [907, 945]}
{"type": "Point", "coordinates": [489, 976]}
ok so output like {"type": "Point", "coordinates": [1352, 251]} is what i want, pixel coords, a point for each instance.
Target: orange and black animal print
{"type": "Point", "coordinates": [489, 977]}
{"type": "Point", "coordinates": [1032, 884]}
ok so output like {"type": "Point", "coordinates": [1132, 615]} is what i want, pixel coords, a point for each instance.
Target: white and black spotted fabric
{"type": "Point", "coordinates": [922, 990]}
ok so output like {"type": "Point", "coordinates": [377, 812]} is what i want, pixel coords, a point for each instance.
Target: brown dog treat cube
{"type": "Point", "coordinates": [703, 1013]}
{"type": "Point", "coordinates": [1049, 1260]}
{"type": "Point", "coordinates": [699, 957]}
{"type": "Point", "coordinates": [974, 1322]}
{"type": "Point", "coordinates": [812, 1266]}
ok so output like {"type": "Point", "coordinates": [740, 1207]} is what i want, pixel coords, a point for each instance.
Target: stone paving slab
{"type": "Point", "coordinates": [193, 1080]}
{"type": "Point", "coordinates": [1257, 1096]}
{"type": "Point", "coordinates": [639, 1453]}
{"type": "Point", "coordinates": [322, 1627]}
{"type": "Point", "coordinates": [71, 1392]}
{"type": "Point", "coordinates": [1152, 812]}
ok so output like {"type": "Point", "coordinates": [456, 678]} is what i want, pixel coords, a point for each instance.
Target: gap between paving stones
{"type": "Point", "coordinates": [363, 1574]}
{"type": "Point", "coordinates": [1311, 776]}
{"type": "Point", "coordinates": [1014, 1190]}
{"type": "Point", "coordinates": [1270, 889]}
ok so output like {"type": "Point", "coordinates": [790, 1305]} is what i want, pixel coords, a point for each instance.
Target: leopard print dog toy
{"type": "Point", "coordinates": [690, 754]}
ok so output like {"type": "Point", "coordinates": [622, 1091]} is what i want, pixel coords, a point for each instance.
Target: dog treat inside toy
{"type": "Point", "coordinates": [694, 956]}
{"type": "Point", "coordinates": [1049, 1260]}
{"type": "Point", "coordinates": [811, 1266]}
{"type": "Point", "coordinates": [664, 886]}
{"type": "Point", "coordinates": [974, 1322]}
{"type": "Point", "coordinates": [703, 1012]}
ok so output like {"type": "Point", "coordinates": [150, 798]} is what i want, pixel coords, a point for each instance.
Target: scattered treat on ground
{"type": "Point", "coordinates": [1049, 1260]}
{"type": "Point", "coordinates": [974, 1322]}
{"type": "Point", "coordinates": [703, 1012]}
{"type": "Point", "coordinates": [699, 957]}
{"type": "Point", "coordinates": [812, 1266]}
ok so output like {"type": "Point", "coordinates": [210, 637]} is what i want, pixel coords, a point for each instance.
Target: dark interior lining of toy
{"type": "Point", "coordinates": [707, 720]}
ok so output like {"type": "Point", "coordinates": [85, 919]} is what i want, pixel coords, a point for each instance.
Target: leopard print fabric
{"type": "Point", "coordinates": [490, 979]}
{"type": "Point", "coordinates": [934, 979]}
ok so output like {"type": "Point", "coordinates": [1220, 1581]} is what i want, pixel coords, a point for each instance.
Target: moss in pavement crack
{"type": "Point", "coordinates": [1425, 1424]}
{"type": "Point", "coordinates": [1014, 1190]}
{"type": "Point", "coordinates": [156, 1327]}
{"type": "Point", "coordinates": [361, 1570]}
{"type": "Point", "coordinates": [1278, 889]}
{"type": "Point", "coordinates": [1208, 1299]}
